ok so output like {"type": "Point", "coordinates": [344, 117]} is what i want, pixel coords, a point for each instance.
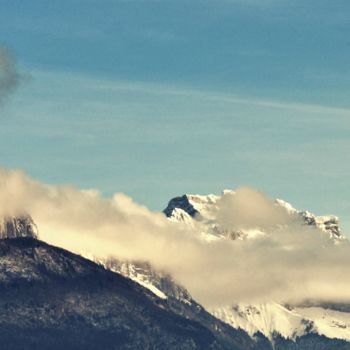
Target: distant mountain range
{"type": "Point", "coordinates": [53, 299]}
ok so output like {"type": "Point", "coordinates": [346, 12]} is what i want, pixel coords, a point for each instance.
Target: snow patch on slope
{"type": "Point", "coordinates": [138, 273]}
{"type": "Point", "coordinates": [268, 319]}
{"type": "Point", "coordinates": [328, 322]}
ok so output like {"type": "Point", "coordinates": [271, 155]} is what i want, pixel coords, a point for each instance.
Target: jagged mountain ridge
{"type": "Point", "coordinates": [200, 208]}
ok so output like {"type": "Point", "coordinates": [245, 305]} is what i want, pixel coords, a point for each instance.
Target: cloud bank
{"type": "Point", "coordinates": [251, 209]}
{"type": "Point", "coordinates": [291, 264]}
{"type": "Point", "coordinates": [9, 76]}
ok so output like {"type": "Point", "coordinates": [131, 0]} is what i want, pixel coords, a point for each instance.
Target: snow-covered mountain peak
{"type": "Point", "coordinates": [289, 208]}
{"type": "Point", "coordinates": [195, 205]}
{"type": "Point", "coordinates": [326, 223]}
{"type": "Point", "coordinates": [17, 226]}
{"type": "Point", "coordinates": [190, 208]}
{"type": "Point", "coordinates": [180, 215]}
{"type": "Point", "coordinates": [227, 191]}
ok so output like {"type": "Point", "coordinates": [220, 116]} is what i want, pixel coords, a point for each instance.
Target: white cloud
{"type": "Point", "coordinates": [287, 265]}
{"type": "Point", "coordinates": [252, 210]}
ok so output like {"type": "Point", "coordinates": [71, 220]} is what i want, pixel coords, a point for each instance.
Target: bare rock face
{"type": "Point", "coordinates": [18, 226]}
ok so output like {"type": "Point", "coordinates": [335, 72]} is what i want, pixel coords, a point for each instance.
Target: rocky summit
{"type": "Point", "coordinates": [17, 226]}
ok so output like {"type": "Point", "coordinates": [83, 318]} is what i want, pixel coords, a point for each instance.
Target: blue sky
{"type": "Point", "coordinates": [159, 98]}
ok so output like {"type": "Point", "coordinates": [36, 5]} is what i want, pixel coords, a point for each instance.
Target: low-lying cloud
{"type": "Point", "coordinates": [252, 209]}
{"type": "Point", "coordinates": [9, 76]}
{"type": "Point", "coordinates": [291, 264]}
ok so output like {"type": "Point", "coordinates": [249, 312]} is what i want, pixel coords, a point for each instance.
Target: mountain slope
{"type": "Point", "coordinates": [53, 299]}
{"type": "Point", "coordinates": [180, 302]}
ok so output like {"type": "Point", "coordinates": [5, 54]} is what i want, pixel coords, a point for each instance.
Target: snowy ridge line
{"type": "Point", "coordinates": [269, 318]}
